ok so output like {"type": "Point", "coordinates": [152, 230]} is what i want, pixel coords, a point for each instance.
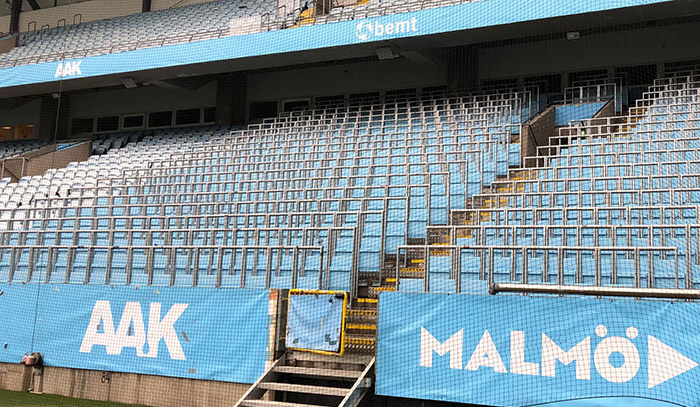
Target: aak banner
{"type": "Point", "coordinates": [196, 333]}
{"type": "Point", "coordinates": [519, 351]}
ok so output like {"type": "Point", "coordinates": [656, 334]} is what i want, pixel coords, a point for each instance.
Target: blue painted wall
{"type": "Point", "coordinates": [566, 113]}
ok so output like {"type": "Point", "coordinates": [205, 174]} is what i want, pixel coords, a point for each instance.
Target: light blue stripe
{"type": "Point", "coordinates": [478, 14]}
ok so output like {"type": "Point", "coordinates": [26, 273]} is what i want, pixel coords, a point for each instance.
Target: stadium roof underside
{"type": "Point", "coordinates": [486, 21]}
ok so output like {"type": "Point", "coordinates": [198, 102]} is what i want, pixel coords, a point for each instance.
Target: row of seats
{"type": "Point", "coordinates": [197, 22]}
{"type": "Point", "coordinates": [12, 148]}
{"type": "Point", "coordinates": [137, 31]}
{"type": "Point", "coordinates": [610, 201]}
{"type": "Point", "coordinates": [377, 185]}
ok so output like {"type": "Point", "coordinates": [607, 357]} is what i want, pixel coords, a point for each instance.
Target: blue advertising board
{"type": "Point", "coordinates": [196, 333]}
{"type": "Point", "coordinates": [475, 14]}
{"type": "Point", "coordinates": [519, 351]}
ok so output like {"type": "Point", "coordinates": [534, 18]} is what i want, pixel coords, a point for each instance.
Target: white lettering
{"type": "Point", "coordinates": [389, 28]}
{"type": "Point", "coordinates": [124, 337]}
{"type": "Point", "coordinates": [378, 29]}
{"type": "Point", "coordinates": [616, 358]}
{"type": "Point", "coordinates": [132, 314]}
{"type": "Point", "coordinates": [486, 355]}
{"type": "Point", "coordinates": [629, 367]}
{"type": "Point", "coordinates": [165, 329]}
{"type": "Point", "coordinates": [68, 69]}
{"type": "Point", "coordinates": [365, 30]}
{"type": "Point", "coordinates": [518, 365]}
{"type": "Point", "coordinates": [101, 313]}
{"type": "Point", "coordinates": [581, 354]}
{"type": "Point", "coordinates": [76, 68]}
{"type": "Point", "coordinates": [403, 27]}
{"type": "Point", "coordinates": [428, 345]}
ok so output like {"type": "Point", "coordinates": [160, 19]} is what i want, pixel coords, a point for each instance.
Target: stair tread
{"type": "Point", "coordinates": [367, 327]}
{"type": "Point", "coordinates": [311, 371]}
{"type": "Point", "coordinates": [306, 389]}
{"type": "Point", "coordinates": [265, 403]}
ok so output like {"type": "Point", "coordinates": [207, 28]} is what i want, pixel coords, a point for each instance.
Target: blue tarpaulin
{"type": "Point", "coordinates": [315, 322]}
{"type": "Point", "coordinates": [196, 333]}
{"type": "Point", "coordinates": [522, 351]}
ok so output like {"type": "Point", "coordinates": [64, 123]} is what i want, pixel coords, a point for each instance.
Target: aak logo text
{"type": "Point", "coordinates": [123, 337]}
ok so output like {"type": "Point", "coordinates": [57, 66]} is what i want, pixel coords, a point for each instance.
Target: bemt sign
{"type": "Point", "coordinates": [519, 350]}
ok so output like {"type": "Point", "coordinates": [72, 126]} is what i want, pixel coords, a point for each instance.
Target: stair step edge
{"type": "Point", "coordinates": [308, 371]}
{"type": "Point", "coordinates": [305, 389]}
{"type": "Point", "coordinates": [264, 403]}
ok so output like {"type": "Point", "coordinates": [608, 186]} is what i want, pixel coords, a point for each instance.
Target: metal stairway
{"type": "Point", "coordinates": [302, 379]}
{"type": "Point", "coordinates": [305, 379]}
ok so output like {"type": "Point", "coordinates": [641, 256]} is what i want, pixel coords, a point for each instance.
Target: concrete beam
{"type": "Point", "coordinates": [15, 10]}
{"type": "Point", "coordinates": [34, 5]}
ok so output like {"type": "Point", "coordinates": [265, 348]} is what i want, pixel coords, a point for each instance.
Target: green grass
{"type": "Point", "coordinates": [15, 398]}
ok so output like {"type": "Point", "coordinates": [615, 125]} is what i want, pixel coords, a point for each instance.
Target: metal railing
{"type": "Point", "coordinates": [54, 257]}
{"type": "Point", "coordinates": [487, 271]}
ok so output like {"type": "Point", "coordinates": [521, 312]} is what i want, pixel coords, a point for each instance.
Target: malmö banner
{"type": "Point", "coordinates": [518, 351]}
{"type": "Point", "coordinates": [196, 333]}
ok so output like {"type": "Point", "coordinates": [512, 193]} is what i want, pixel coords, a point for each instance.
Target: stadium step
{"type": "Point", "coordinates": [306, 389]}
{"type": "Point", "coordinates": [264, 403]}
{"type": "Point", "coordinates": [300, 379]}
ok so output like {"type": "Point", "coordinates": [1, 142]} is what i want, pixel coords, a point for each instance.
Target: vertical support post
{"type": "Point", "coordinates": [650, 274]}
{"type": "Point", "coordinates": [295, 267]}
{"type": "Point", "coordinates": [321, 270]}
{"type": "Point", "coordinates": [560, 266]}
{"type": "Point", "coordinates": [598, 277]}
{"type": "Point", "coordinates": [219, 266]}
{"type": "Point", "coordinates": [244, 264]}
{"type": "Point", "coordinates": [458, 268]}
{"type": "Point", "coordinates": [491, 277]}
{"type": "Point", "coordinates": [15, 11]}
{"type": "Point", "coordinates": [688, 267]}
{"type": "Point", "coordinates": [613, 272]}
{"type": "Point", "coordinates": [426, 270]}
{"type": "Point", "coordinates": [637, 277]}
{"type": "Point", "coordinates": [525, 263]}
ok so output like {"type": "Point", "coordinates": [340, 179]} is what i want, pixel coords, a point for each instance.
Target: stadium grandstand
{"type": "Point", "coordinates": [351, 202]}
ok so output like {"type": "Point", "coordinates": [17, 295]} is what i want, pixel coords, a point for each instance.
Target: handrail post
{"type": "Point", "coordinates": [295, 266]}
{"type": "Point", "coordinates": [321, 270]}
{"type": "Point", "coordinates": [426, 269]}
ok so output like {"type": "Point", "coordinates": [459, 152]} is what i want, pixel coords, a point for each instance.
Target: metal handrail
{"type": "Point", "coordinates": [193, 253]}
{"type": "Point", "coordinates": [486, 273]}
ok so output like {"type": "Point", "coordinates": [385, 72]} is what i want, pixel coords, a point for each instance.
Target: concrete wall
{"type": "Point", "coordinates": [606, 111]}
{"type": "Point", "coordinates": [537, 133]}
{"type": "Point", "coordinates": [39, 161]}
{"type": "Point", "coordinates": [636, 47]}
{"type": "Point", "coordinates": [139, 100]}
{"type": "Point", "coordinates": [397, 73]}
{"type": "Point", "coordinates": [127, 387]}
{"type": "Point", "coordinates": [8, 43]}
{"type": "Point", "coordinates": [27, 113]}
{"type": "Point", "coordinates": [5, 24]}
